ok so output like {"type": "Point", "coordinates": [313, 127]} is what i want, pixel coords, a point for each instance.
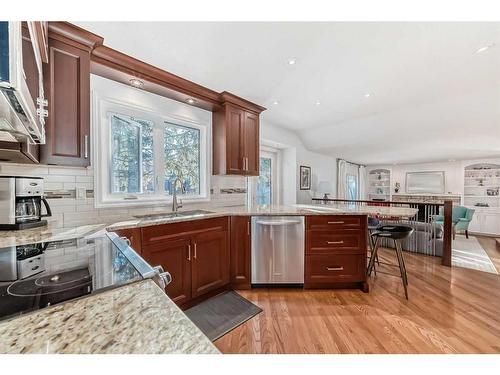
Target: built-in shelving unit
{"type": "Point", "coordinates": [379, 185]}
{"type": "Point", "coordinates": [482, 185]}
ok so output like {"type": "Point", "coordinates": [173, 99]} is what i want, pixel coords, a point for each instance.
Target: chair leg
{"type": "Point", "coordinates": [372, 250]}
{"type": "Point", "coordinates": [402, 269]}
{"type": "Point", "coordinates": [371, 265]}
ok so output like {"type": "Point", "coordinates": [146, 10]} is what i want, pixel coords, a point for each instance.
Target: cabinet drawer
{"type": "Point", "coordinates": [335, 222]}
{"type": "Point", "coordinates": [350, 241]}
{"type": "Point", "coordinates": [158, 233]}
{"type": "Point", "coordinates": [331, 268]}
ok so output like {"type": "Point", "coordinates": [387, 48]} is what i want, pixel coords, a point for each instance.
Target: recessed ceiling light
{"type": "Point", "coordinates": [190, 101]}
{"type": "Point", "coordinates": [451, 160]}
{"type": "Point", "coordinates": [276, 102]}
{"type": "Point", "coordinates": [485, 48]}
{"type": "Point", "coordinates": [318, 103]}
{"type": "Point", "coordinates": [292, 61]}
{"type": "Point", "coordinates": [368, 95]}
{"type": "Point", "coordinates": [136, 82]}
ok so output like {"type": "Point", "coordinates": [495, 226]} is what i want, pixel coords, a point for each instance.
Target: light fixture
{"type": "Point", "coordinates": [136, 82]}
{"type": "Point", "coordinates": [292, 61]}
{"type": "Point", "coordinates": [368, 95]}
{"type": "Point", "coordinates": [318, 103]}
{"type": "Point", "coordinates": [485, 48]}
{"type": "Point", "coordinates": [451, 160]}
{"type": "Point", "coordinates": [190, 101]}
{"type": "Point", "coordinates": [276, 102]}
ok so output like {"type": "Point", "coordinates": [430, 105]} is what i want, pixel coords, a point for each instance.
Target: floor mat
{"type": "Point", "coordinates": [469, 253]}
{"type": "Point", "coordinates": [220, 314]}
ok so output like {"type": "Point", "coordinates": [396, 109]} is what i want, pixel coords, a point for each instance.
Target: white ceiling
{"type": "Point", "coordinates": [432, 97]}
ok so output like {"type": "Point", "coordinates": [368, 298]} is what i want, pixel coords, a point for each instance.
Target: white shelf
{"type": "Point", "coordinates": [485, 186]}
{"type": "Point", "coordinates": [482, 196]}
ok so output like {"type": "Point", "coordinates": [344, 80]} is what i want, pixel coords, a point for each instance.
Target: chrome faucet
{"type": "Point", "coordinates": [176, 205]}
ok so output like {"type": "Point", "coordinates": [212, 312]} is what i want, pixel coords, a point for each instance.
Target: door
{"type": "Point", "coordinates": [235, 140]}
{"type": "Point", "coordinates": [67, 87]}
{"type": "Point", "coordinates": [240, 252]}
{"type": "Point", "coordinates": [174, 256]}
{"type": "Point", "coordinates": [251, 150]}
{"type": "Point", "coordinates": [210, 265]}
{"type": "Point", "coordinates": [264, 189]}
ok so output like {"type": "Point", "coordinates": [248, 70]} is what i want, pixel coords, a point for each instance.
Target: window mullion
{"type": "Point", "coordinates": [159, 159]}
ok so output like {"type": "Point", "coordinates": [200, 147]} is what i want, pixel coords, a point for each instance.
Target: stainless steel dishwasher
{"type": "Point", "coordinates": [277, 250]}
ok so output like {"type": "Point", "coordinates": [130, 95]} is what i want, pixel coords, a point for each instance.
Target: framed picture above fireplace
{"type": "Point", "coordinates": [425, 182]}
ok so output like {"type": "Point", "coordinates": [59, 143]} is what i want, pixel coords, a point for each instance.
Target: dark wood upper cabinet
{"type": "Point", "coordinates": [236, 137]}
{"type": "Point", "coordinates": [67, 88]}
{"type": "Point", "coordinates": [240, 252]}
{"type": "Point", "coordinates": [210, 269]}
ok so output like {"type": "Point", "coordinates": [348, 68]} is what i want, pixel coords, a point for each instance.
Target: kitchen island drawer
{"type": "Point", "coordinates": [335, 222]}
{"type": "Point", "coordinates": [334, 268]}
{"type": "Point", "coordinates": [338, 241]}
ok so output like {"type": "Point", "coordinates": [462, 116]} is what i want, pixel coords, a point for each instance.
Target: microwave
{"type": "Point", "coordinates": [22, 118]}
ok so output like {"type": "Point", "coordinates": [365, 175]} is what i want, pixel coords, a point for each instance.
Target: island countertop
{"type": "Point", "coordinates": [48, 233]}
{"type": "Point", "coordinates": [273, 210]}
{"type": "Point", "coordinates": [136, 318]}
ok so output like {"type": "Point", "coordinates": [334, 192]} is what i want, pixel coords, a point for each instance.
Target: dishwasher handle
{"type": "Point", "coordinates": [277, 223]}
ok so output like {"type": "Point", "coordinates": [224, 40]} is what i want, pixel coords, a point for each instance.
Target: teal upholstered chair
{"type": "Point", "coordinates": [460, 216]}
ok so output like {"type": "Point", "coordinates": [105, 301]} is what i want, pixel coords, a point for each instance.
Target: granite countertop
{"type": "Point", "coordinates": [274, 210]}
{"type": "Point", "coordinates": [137, 318]}
{"type": "Point", "coordinates": [44, 234]}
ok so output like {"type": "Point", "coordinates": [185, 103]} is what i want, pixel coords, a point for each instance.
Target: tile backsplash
{"type": "Point", "coordinates": [70, 192]}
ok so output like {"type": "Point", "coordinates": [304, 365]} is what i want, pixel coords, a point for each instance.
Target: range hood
{"type": "Point", "coordinates": [20, 119]}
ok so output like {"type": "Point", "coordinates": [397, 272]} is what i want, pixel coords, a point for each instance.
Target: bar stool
{"type": "Point", "coordinates": [373, 224]}
{"type": "Point", "coordinates": [398, 233]}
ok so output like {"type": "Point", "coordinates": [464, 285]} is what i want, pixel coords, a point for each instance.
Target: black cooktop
{"type": "Point", "coordinates": [40, 275]}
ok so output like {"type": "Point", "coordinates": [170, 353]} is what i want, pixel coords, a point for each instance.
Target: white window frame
{"type": "Point", "coordinates": [275, 155]}
{"type": "Point", "coordinates": [102, 110]}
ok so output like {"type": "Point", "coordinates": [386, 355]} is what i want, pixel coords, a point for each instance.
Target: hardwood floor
{"type": "Point", "coordinates": [489, 245]}
{"type": "Point", "coordinates": [450, 310]}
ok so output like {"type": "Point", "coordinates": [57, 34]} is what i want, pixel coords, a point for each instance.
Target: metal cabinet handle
{"type": "Point", "coordinates": [248, 228]}
{"type": "Point", "coordinates": [189, 252]}
{"type": "Point", "coordinates": [86, 152]}
{"type": "Point", "coordinates": [334, 242]}
{"type": "Point", "coordinates": [334, 268]}
{"type": "Point", "coordinates": [194, 251]}
{"type": "Point", "coordinates": [335, 222]}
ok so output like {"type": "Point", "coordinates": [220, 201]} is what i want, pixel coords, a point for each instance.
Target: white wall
{"type": "Point", "coordinates": [323, 168]}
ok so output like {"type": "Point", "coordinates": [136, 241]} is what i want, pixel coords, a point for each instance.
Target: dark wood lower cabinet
{"type": "Point", "coordinates": [195, 253]}
{"type": "Point", "coordinates": [174, 256]}
{"type": "Point", "coordinates": [210, 262]}
{"type": "Point", "coordinates": [336, 252]}
{"type": "Point", "coordinates": [134, 236]}
{"type": "Point", "coordinates": [240, 252]}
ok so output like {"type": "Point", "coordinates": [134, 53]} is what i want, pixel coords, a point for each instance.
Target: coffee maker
{"type": "Point", "coordinates": [21, 201]}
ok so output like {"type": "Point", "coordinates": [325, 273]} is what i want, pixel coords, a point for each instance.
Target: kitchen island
{"type": "Point", "coordinates": [136, 318]}
{"type": "Point", "coordinates": [140, 317]}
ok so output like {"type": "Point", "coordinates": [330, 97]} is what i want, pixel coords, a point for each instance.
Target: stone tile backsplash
{"type": "Point", "coordinates": [61, 184]}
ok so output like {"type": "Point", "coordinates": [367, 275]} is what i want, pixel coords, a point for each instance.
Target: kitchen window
{"type": "Point", "coordinates": [140, 153]}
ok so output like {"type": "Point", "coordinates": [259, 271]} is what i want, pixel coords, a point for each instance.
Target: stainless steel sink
{"type": "Point", "coordinates": [172, 215]}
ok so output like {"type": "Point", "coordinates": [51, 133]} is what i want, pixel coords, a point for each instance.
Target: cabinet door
{"type": "Point", "coordinates": [67, 87]}
{"type": "Point", "coordinates": [210, 266]}
{"type": "Point", "coordinates": [134, 236]}
{"type": "Point", "coordinates": [174, 256]}
{"type": "Point", "coordinates": [251, 149]}
{"type": "Point", "coordinates": [235, 142]}
{"type": "Point", "coordinates": [240, 252]}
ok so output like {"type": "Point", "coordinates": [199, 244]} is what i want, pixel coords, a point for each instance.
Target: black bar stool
{"type": "Point", "coordinates": [398, 233]}
{"type": "Point", "coordinates": [373, 224]}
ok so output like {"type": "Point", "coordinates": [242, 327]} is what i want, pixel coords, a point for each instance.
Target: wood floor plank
{"type": "Point", "coordinates": [450, 310]}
